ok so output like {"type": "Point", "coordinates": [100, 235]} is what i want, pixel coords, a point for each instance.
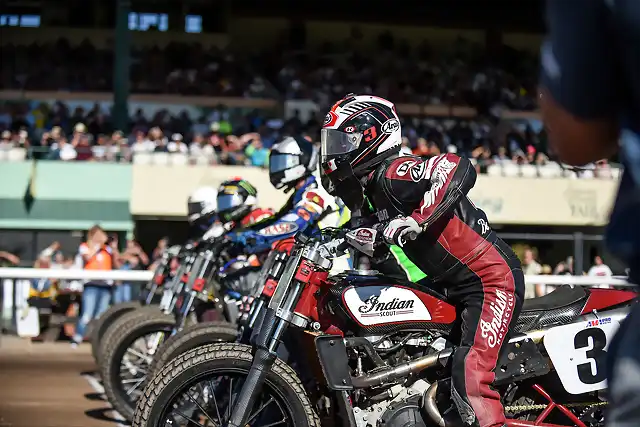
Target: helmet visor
{"type": "Point", "coordinates": [335, 142]}
{"type": "Point", "coordinates": [194, 210]}
{"type": "Point", "coordinates": [282, 162]}
{"type": "Point", "coordinates": [229, 201]}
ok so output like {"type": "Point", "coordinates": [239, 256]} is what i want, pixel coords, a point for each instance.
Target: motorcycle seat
{"type": "Point", "coordinates": [560, 297]}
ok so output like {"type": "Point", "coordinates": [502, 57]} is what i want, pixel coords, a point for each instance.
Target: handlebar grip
{"type": "Point", "coordinates": [402, 240]}
{"type": "Point", "coordinates": [343, 246]}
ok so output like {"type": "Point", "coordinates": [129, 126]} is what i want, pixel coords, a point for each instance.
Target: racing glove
{"type": "Point", "coordinates": [214, 232]}
{"type": "Point", "coordinates": [398, 230]}
{"type": "Point", "coordinates": [251, 241]}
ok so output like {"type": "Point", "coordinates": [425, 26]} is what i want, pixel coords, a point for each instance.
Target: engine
{"type": "Point", "coordinates": [397, 404]}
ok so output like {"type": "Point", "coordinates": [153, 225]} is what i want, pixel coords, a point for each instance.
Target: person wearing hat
{"type": "Point", "coordinates": [176, 145]}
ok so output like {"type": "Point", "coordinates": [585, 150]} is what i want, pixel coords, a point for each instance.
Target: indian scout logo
{"type": "Point", "coordinates": [495, 330]}
{"type": "Point", "coordinates": [364, 235]}
{"type": "Point", "coordinates": [373, 307]}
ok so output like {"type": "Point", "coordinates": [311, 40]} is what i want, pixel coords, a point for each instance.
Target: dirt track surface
{"type": "Point", "coordinates": [50, 385]}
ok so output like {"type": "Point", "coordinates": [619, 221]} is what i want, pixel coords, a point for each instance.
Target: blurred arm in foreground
{"type": "Point", "coordinates": [590, 98]}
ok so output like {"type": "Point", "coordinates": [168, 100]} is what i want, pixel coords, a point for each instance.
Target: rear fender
{"type": "Point", "coordinates": [604, 299]}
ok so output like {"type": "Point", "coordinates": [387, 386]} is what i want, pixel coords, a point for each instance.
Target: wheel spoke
{"type": "Point", "coordinates": [194, 403]}
{"type": "Point", "coordinates": [131, 380]}
{"type": "Point", "coordinates": [230, 405]}
{"type": "Point", "coordinates": [204, 412]}
{"type": "Point", "coordinates": [140, 381]}
{"type": "Point", "coordinates": [144, 357]}
{"type": "Point", "coordinates": [215, 401]}
{"type": "Point", "coordinates": [187, 418]}
{"type": "Point", "coordinates": [260, 409]}
{"type": "Point", "coordinates": [137, 369]}
{"type": "Point", "coordinates": [282, 421]}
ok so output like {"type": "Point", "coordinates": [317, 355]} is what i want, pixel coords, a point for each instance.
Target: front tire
{"type": "Point", "coordinates": [191, 337]}
{"type": "Point", "coordinates": [208, 362]}
{"type": "Point", "coordinates": [120, 351]}
{"type": "Point", "coordinates": [101, 324]}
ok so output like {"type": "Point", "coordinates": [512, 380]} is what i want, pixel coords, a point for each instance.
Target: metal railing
{"type": "Point", "coordinates": [13, 298]}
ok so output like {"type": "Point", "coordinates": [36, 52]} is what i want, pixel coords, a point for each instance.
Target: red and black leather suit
{"type": "Point", "coordinates": [463, 256]}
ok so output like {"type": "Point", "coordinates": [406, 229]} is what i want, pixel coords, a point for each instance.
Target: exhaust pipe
{"type": "Point", "coordinates": [430, 407]}
{"type": "Point", "coordinates": [404, 369]}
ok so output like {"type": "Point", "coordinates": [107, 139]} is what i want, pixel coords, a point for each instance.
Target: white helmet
{"type": "Point", "coordinates": [202, 203]}
{"type": "Point", "coordinates": [290, 160]}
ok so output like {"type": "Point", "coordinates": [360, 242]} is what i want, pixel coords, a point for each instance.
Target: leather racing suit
{"type": "Point", "coordinates": [309, 206]}
{"type": "Point", "coordinates": [462, 257]}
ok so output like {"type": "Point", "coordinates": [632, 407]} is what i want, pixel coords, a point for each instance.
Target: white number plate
{"type": "Point", "coordinates": [579, 351]}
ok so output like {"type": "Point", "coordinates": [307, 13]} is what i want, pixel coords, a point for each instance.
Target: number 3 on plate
{"type": "Point", "coordinates": [581, 362]}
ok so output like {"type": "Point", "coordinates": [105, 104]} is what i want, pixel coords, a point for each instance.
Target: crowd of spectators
{"type": "Point", "coordinates": [531, 266]}
{"type": "Point", "coordinates": [224, 136]}
{"type": "Point", "coordinates": [461, 74]}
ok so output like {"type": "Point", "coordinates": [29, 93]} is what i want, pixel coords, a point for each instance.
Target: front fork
{"type": "Point", "coordinates": [265, 340]}
{"type": "Point", "coordinates": [199, 272]}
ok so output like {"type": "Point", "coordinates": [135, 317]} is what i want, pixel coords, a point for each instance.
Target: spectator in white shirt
{"type": "Point", "coordinates": [64, 149]}
{"type": "Point", "coordinates": [600, 269]}
{"type": "Point", "coordinates": [176, 145]}
{"type": "Point", "coordinates": [200, 148]}
{"type": "Point", "coordinates": [142, 144]}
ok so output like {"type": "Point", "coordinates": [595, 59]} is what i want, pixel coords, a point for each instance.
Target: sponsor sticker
{"type": "Point", "coordinates": [315, 198]}
{"type": "Point", "coordinates": [598, 322]}
{"type": "Point", "coordinates": [350, 129]}
{"type": "Point", "coordinates": [374, 305]}
{"type": "Point", "coordinates": [417, 171]}
{"type": "Point", "coordinates": [304, 214]}
{"type": "Point", "coordinates": [279, 228]}
{"type": "Point", "coordinates": [364, 235]}
{"type": "Point", "coordinates": [404, 167]}
{"type": "Point", "coordinates": [439, 178]}
{"type": "Point", "coordinates": [229, 189]}
{"type": "Point", "coordinates": [390, 126]}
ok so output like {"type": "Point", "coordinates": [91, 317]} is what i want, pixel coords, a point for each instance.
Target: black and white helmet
{"type": "Point", "coordinates": [363, 130]}
{"type": "Point", "coordinates": [202, 205]}
{"type": "Point", "coordinates": [358, 134]}
{"type": "Point", "coordinates": [290, 160]}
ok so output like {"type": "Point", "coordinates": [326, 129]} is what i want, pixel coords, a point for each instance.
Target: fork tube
{"type": "Point", "coordinates": [201, 272]}
{"type": "Point", "coordinates": [271, 330]}
{"type": "Point", "coordinates": [254, 312]}
{"type": "Point", "coordinates": [194, 264]}
{"type": "Point", "coordinates": [160, 270]}
{"type": "Point", "coordinates": [291, 301]}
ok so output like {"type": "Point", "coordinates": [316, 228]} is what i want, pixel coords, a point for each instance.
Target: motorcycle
{"type": "Point", "coordinates": [207, 283]}
{"type": "Point", "coordinates": [381, 354]}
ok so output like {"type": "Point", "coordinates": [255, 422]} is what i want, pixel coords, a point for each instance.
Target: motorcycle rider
{"type": "Point", "coordinates": [207, 220]}
{"type": "Point", "coordinates": [292, 162]}
{"type": "Point", "coordinates": [439, 229]}
{"type": "Point", "coordinates": [237, 199]}
{"type": "Point", "coordinates": [202, 211]}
